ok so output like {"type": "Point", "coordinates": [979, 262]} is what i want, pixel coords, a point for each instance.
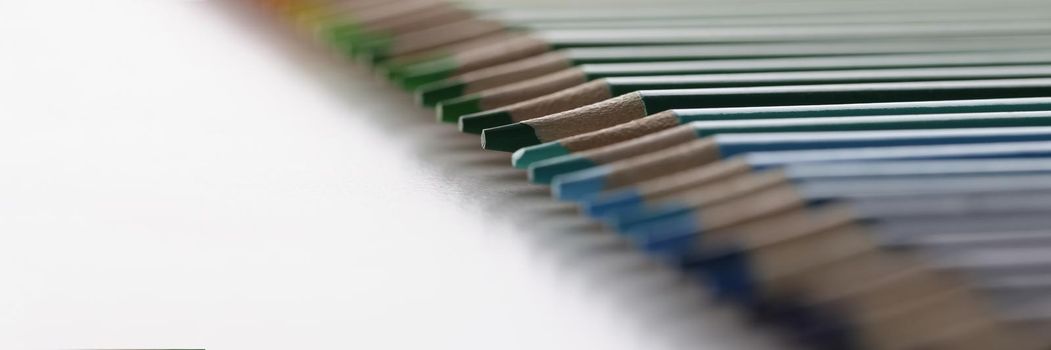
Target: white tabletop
{"type": "Point", "coordinates": [184, 174]}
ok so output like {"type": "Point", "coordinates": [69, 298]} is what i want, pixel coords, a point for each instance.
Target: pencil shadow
{"type": "Point", "coordinates": [655, 298]}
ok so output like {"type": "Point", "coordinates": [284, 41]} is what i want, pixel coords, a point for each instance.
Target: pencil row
{"type": "Point", "coordinates": [860, 174]}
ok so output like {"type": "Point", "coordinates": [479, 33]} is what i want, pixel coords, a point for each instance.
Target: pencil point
{"type": "Point", "coordinates": [450, 111]}
{"type": "Point", "coordinates": [728, 272]}
{"type": "Point", "coordinates": [525, 157]}
{"type": "Point", "coordinates": [580, 185]}
{"type": "Point", "coordinates": [367, 49]}
{"type": "Point", "coordinates": [509, 138]}
{"type": "Point", "coordinates": [542, 172]}
{"type": "Point", "coordinates": [340, 37]}
{"type": "Point", "coordinates": [420, 74]}
{"type": "Point", "coordinates": [672, 249]}
{"type": "Point", "coordinates": [670, 238]}
{"type": "Point", "coordinates": [392, 72]}
{"type": "Point", "coordinates": [628, 220]}
{"type": "Point", "coordinates": [612, 203]}
{"type": "Point", "coordinates": [432, 94]}
{"type": "Point", "coordinates": [474, 123]}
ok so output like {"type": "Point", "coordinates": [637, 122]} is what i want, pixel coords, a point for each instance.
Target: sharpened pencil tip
{"type": "Point", "coordinates": [672, 249]}
{"type": "Point", "coordinates": [432, 94]}
{"type": "Point", "coordinates": [476, 122]}
{"type": "Point", "coordinates": [643, 215]}
{"type": "Point", "coordinates": [613, 202]}
{"type": "Point", "coordinates": [509, 138]}
{"type": "Point", "coordinates": [366, 49]}
{"type": "Point", "coordinates": [525, 157]}
{"type": "Point", "coordinates": [415, 76]}
{"type": "Point", "coordinates": [728, 272]}
{"type": "Point", "coordinates": [450, 111]}
{"type": "Point", "coordinates": [581, 185]}
{"type": "Point", "coordinates": [542, 172]}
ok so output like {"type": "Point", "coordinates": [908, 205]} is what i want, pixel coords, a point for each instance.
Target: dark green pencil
{"type": "Point", "coordinates": [639, 104]}
{"type": "Point", "coordinates": [377, 46]}
{"type": "Point", "coordinates": [602, 89]}
{"type": "Point", "coordinates": [466, 79]}
{"type": "Point", "coordinates": [432, 42]}
{"type": "Point", "coordinates": [555, 39]}
{"type": "Point", "coordinates": [420, 72]}
{"type": "Point", "coordinates": [542, 96]}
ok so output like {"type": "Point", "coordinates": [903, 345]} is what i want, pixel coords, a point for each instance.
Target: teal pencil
{"type": "Point", "coordinates": [544, 171]}
{"type": "Point", "coordinates": [573, 145]}
{"type": "Point", "coordinates": [688, 154]}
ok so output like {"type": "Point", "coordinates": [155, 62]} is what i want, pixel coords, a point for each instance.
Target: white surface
{"type": "Point", "coordinates": [179, 174]}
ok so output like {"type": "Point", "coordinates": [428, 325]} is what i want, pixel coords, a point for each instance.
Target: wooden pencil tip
{"type": "Point", "coordinates": [611, 202]}
{"type": "Point", "coordinates": [432, 94]}
{"type": "Point", "coordinates": [578, 186]}
{"type": "Point", "coordinates": [450, 111]}
{"type": "Point", "coordinates": [416, 76]}
{"type": "Point", "coordinates": [543, 172]}
{"type": "Point", "coordinates": [525, 157]}
{"type": "Point", "coordinates": [509, 138]}
{"type": "Point", "coordinates": [476, 122]}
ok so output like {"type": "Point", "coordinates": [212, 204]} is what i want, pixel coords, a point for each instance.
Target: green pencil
{"type": "Point", "coordinates": [569, 34]}
{"type": "Point", "coordinates": [602, 89]}
{"type": "Point", "coordinates": [434, 39]}
{"type": "Point", "coordinates": [548, 94]}
{"type": "Point", "coordinates": [466, 79]}
{"type": "Point", "coordinates": [418, 73]}
{"type": "Point", "coordinates": [639, 104]}
{"type": "Point", "coordinates": [372, 40]}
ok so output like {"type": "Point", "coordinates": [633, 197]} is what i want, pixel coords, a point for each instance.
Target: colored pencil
{"type": "Point", "coordinates": [532, 102]}
{"type": "Point", "coordinates": [656, 193]}
{"type": "Point", "coordinates": [676, 235]}
{"type": "Point", "coordinates": [440, 78]}
{"type": "Point", "coordinates": [677, 152]}
{"type": "Point", "coordinates": [760, 161]}
{"type": "Point", "coordinates": [638, 104]}
{"type": "Point", "coordinates": [468, 76]}
{"type": "Point", "coordinates": [435, 40]}
{"type": "Point", "coordinates": [676, 117]}
{"type": "Point", "coordinates": [383, 46]}
{"type": "Point", "coordinates": [730, 145]}
{"type": "Point", "coordinates": [602, 89]}
{"type": "Point", "coordinates": [854, 272]}
{"type": "Point", "coordinates": [668, 205]}
{"type": "Point", "coordinates": [1019, 194]}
